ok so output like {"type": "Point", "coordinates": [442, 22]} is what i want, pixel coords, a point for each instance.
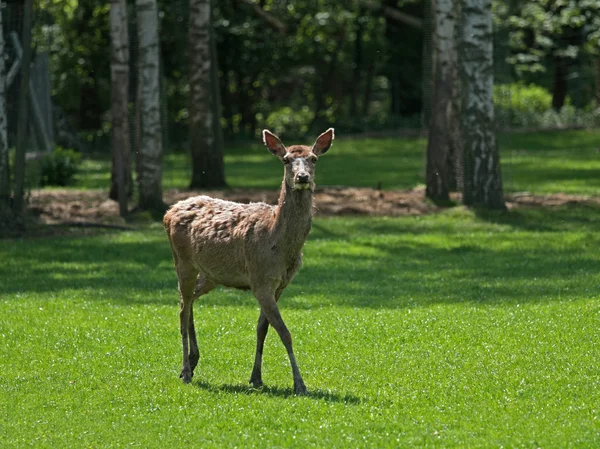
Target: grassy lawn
{"type": "Point", "coordinates": [548, 162]}
{"type": "Point", "coordinates": [451, 330]}
{"type": "Point", "coordinates": [458, 329]}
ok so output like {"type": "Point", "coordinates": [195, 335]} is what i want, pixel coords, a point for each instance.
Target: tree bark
{"type": "Point", "coordinates": [482, 175]}
{"type": "Point", "coordinates": [23, 118]}
{"type": "Point", "coordinates": [5, 187]}
{"type": "Point", "coordinates": [121, 185]}
{"type": "Point", "coordinates": [207, 155]}
{"type": "Point", "coordinates": [598, 81]}
{"type": "Point", "coordinates": [559, 92]}
{"type": "Point", "coordinates": [358, 61]}
{"type": "Point", "coordinates": [149, 166]}
{"type": "Point", "coordinates": [442, 145]}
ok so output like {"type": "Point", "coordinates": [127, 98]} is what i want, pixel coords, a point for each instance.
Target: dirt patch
{"type": "Point", "coordinates": [94, 207]}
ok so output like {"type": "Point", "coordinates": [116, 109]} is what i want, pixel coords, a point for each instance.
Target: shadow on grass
{"type": "Point", "coordinates": [523, 255]}
{"type": "Point", "coordinates": [326, 396]}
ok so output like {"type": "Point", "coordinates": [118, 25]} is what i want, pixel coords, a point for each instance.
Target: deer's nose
{"type": "Point", "coordinates": [303, 177]}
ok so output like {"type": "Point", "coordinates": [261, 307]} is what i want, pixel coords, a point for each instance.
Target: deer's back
{"type": "Point", "coordinates": [216, 236]}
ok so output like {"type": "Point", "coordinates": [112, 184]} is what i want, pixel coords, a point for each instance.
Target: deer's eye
{"type": "Point", "coordinates": [286, 160]}
{"type": "Point", "coordinates": [312, 158]}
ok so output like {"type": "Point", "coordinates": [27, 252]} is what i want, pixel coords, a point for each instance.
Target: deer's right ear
{"type": "Point", "coordinates": [273, 143]}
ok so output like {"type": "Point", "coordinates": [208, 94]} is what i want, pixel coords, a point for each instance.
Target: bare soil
{"type": "Point", "coordinates": [94, 207]}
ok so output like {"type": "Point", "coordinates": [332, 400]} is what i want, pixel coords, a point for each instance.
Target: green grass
{"type": "Point", "coordinates": [451, 330]}
{"type": "Point", "coordinates": [548, 162]}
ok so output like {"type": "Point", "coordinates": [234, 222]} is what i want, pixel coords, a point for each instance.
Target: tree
{"type": "Point", "coordinates": [5, 208]}
{"type": "Point", "coordinates": [553, 33]}
{"type": "Point", "coordinates": [482, 176]}
{"type": "Point", "coordinates": [205, 143]}
{"type": "Point", "coordinates": [121, 184]}
{"type": "Point", "coordinates": [443, 145]}
{"type": "Point", "coordinates": [149, 161]}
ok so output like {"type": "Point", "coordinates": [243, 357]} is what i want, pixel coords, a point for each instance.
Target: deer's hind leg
{"type": "Point", "coordinates": [191, 285]}
{"type": "Point", "coordinates": [203, 286]}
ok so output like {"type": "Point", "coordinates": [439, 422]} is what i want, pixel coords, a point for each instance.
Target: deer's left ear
{"type": "Point", "coordinates": [323, 142]}
{"type": "Point", "coordinates": [273, 143]}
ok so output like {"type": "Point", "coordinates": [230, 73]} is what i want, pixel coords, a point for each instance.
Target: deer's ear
{"type": "Point", "coordinates": [273, 143]}
{"type": "Point", "coordinates": [323, 142]}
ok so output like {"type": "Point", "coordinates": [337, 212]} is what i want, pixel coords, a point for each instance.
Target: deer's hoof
{"type": "Point", "coordinates": [300, 390]}
{"type": "Point", "coordinates": [186, 376]}
{"type": "Point", "coordinates": [256, 383]}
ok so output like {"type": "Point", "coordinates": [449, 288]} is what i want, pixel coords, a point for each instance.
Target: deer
{"type": "Point", "coordinates": [255, 246]}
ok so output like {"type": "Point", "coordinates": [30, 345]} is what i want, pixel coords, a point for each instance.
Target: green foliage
{"type": "Point", "coordinates": [521, 105]}
{"type": "Point", "coordinates": [519, 97]}
{"type": "Point", "coordinates": [290, 123]}
{"type": "Point", "coordinates": [451, 330]}
{"type": "Point", "coordinates": [59, 167]}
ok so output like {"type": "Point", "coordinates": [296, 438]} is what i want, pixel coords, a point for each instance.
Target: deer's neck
{"type": "Point", "coordinates": [294, 216]}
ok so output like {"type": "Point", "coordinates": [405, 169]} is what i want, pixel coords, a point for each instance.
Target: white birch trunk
{"type": "Point", "coordinates": [443, 142]}
{"type": "Point", "coordinates": [149, 166]}
{"type": "Point", "coordinates": [119, 68]}
{"type": "Point", "coordinates": [482, 176]}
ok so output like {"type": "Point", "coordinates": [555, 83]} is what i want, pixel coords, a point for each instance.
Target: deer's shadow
{"type": "Point", "coordinates": [318, 394]}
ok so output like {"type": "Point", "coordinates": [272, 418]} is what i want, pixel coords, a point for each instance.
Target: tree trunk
{"type": "Point", "coordinates": [149, 166]}
{"type": "Point", "coordinates": [207, 154]}
{"type": "Point", "coordinates": [23, 118]}
{"type": "Point", "coordinates": [358, 60]}
{"type": "Point", "coordinates": [121, 184]}
{"type": "Point", "coordinates": [482, 176]}
{"type": "Point", "coordinates": [5, 209]}
{"type": "Point", "coordinates": [598, 81]}
{"type": "Point", "coordinates": [559, 92]}
{"type": "Point", "coordinates": [442, 145]}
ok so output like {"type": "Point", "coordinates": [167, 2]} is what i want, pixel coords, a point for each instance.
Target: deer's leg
{"type": "Point", "coordinates": [187, 283]}
{"type": "Point", "coordinates": [261, 332]}
{"type": "Point", "coordinates": [202, 287]}
{"type": "Point", "coordinates": [269, 308]}
{"type": "Point", "coordinates": [262, 328]}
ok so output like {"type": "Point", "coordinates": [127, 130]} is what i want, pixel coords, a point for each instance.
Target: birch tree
{"type": "Point", "coordinates": [149, 161]}
{"type": "Point", "coordinates": [482, 176]}
{"type": "Point", "coordinates": [205, 146]}
{"type": "Point", "coordinates": [121, 183]}
{"type": "Point", "coordinates": [443, 147]}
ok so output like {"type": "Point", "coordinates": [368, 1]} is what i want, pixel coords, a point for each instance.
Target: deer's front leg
{"type": "Point", "coordinates": [269, 308]}
{"type": "Point", "coordinates": [262, 328]}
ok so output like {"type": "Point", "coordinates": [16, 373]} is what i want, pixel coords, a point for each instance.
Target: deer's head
{"type": "Point", "coordinates": [299, 160]}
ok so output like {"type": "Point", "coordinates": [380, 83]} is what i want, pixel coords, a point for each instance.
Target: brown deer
{"type": "Point", "coordinates": [247, 246]}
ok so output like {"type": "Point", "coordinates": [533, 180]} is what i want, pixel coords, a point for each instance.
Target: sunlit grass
{"type": "Point", "coordinates": [548, 162]}
{"type": "Point", "coordinates": [451, 330]}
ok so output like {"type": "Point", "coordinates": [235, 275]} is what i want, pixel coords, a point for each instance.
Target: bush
{"type": "Point", "coordinates": [59, 167]}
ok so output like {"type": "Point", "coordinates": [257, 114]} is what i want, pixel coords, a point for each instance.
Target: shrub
{"type": "Point", "coordinates": [59, 167]}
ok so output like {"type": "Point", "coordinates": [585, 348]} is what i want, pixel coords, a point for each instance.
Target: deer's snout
{"type": "Point", "coordinates": [302, 177]}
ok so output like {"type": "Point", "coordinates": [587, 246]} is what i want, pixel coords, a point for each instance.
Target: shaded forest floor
{"type": "Point", "coordinates": [93, 206]}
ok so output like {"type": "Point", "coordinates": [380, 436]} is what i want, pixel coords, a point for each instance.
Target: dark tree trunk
{"type": "Point", "coordinates": [559, 92]}
{"type": "Point", "coordinates": [207, 154]}
{"type": "Point", "coordinates": [23, 119]}
{"type": "Point", "coordinates": [121, 185]}
{"type": "Point", "coordinates": [358, 59]}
